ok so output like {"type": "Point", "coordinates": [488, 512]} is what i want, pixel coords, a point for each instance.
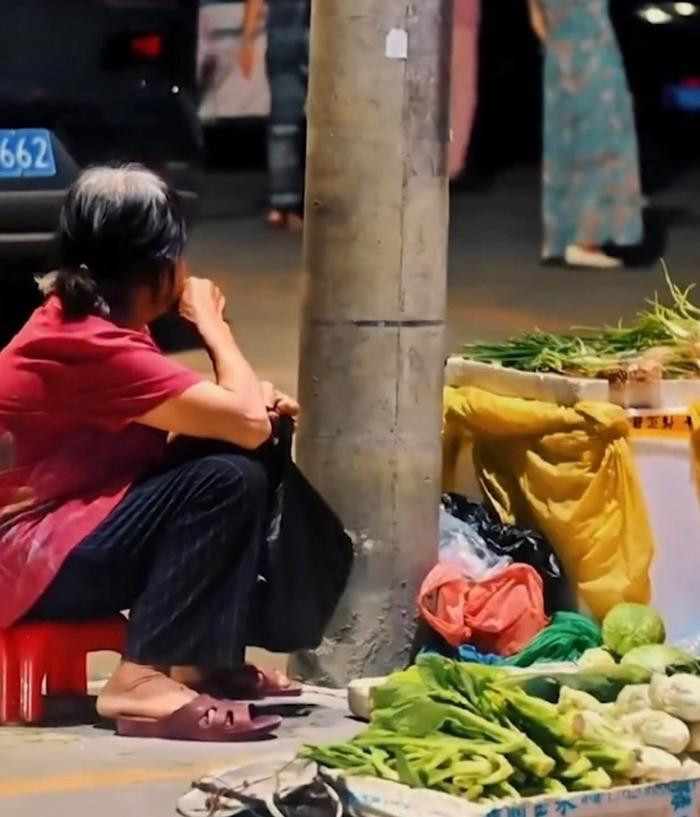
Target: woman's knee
{"type": "Point", "coordinates": [231, 476]}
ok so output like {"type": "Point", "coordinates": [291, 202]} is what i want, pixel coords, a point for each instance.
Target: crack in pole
{"type": "Point", "coordinates": [406, 146]}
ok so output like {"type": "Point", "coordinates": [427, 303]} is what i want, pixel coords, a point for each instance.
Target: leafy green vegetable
{"type": "Point", "coordinates": [576, 769]}
{"type": "Point", "coordinates": [472, 732]}
{"type": "Point", "coordinates": [421, 716]}
{"type": "Point", "coordinates": [659, 657]}
{"type": "Point", "coordinates": [618, 759]}
{"type": "Point", "coordinates": [661, 338]}
{"type": "Point", "coordinates": [554, 786]}
{"type": "Point", "coordinates": [604, 684]}
{"type": "Point", "coordinates": [597, 779]}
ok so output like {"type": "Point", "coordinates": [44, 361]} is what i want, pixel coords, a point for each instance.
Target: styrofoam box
{"type": "Point", "coordinates": [370, 797]}
{"type": "Point", "coordinates": [670, 395]}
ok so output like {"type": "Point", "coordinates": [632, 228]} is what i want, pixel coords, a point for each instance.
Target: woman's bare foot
{"type": "Point", "coordinates": [276, 219]}
{"type": "Point", "coordinates": [192, 677]}
{"type": "Point", "coordinates": [142, 691]}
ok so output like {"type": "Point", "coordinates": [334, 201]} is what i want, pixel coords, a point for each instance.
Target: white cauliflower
{"type": "Point", "coordinates": [690, 768]}
{"type": "Point", "coordinates": [694, 745]}
{"type": "Point", "coordinates": [678, 695]}
{"type": "Point", "coordinates": [658, 729]}
{"type": "Point", "coordinates": [656, 766]}
{"type": "Point", "coordinates": [575, 699]}
{"type": "Point", "coordinates": [596, 658]}
{"type": "Point", "coordinates": [633, 698]}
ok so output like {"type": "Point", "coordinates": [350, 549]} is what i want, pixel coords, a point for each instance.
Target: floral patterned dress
{"type": "Point", "coordinates": [591, 181]}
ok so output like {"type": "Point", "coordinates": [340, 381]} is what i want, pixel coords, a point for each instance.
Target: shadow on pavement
{"type": "Point", "coordinates": [658, 221]}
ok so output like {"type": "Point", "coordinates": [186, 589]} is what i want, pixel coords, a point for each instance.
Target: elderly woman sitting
{"type": "Point", "coordinates": [93, 519]}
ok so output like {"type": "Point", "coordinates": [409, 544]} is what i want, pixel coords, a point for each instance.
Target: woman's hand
{"type": "Point", "coordinates": [278, 403]}
{"type": "Point", "coordinates": [232, 409]}
{"type": "Point", "coordinates": [538, 21]}
{"type": "Point", "coordinates": [202, 303]}
{"type": "Point", "coordinates": [246, 57]}
{"type": "Point", "coordinates": [251, 20]}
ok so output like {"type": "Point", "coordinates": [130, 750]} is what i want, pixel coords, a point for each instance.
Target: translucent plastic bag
{"type": "Point", "coordinates": [518, 544]}
{"type": "Point", "coordinates": [461, 544]}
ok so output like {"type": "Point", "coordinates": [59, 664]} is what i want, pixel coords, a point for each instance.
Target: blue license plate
{"type": "Point", "coordinates": [26, 152]}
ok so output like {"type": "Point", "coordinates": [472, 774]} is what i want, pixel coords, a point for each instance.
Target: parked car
{"type": "Point", "coordinates": [86, 82]}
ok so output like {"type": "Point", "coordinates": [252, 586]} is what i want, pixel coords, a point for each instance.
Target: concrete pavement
{"type": "Point", "coordinates": [86, 770]}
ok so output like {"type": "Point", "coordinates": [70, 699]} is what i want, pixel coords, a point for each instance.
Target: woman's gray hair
{"type": "Point", "coordinates": [119, 227]}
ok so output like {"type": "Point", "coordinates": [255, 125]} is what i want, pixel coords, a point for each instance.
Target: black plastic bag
{"type": "Point", "coordinates": [307, 561]}
{"type": "Point", "coordinates": [317, 799]}
{"type": "Point", "coordinates": [308, 557]}
{"type": "Point", "coordinates": [521, 544]}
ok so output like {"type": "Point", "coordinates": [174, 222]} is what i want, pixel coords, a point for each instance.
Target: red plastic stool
{"type": "Point", "coordinates": [9, 680]}
{"type": "Point", "coordinates": [55, 651]}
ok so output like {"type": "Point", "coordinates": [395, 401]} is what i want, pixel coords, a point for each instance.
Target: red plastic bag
{"type": "Point", "coordinates": [500, 615]}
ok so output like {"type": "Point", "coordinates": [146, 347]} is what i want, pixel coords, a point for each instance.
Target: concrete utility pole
{"type": "Point", "coordinates": [372, 344]}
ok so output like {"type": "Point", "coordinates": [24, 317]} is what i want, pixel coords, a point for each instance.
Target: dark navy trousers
{"type": "Point", "coordinates": [287, 63]}
{"type": "Point", "coordinates": [181, 551]}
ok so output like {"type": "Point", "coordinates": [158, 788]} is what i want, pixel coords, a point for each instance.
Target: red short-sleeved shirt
{"type": "Point", "coordinates": [70, 392]}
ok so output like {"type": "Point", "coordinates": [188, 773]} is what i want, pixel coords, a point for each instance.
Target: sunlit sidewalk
{"type": "Point", "coordinates": [86, 770]}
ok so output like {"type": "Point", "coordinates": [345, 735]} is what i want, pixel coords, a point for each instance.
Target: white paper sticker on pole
{"type": "Point", "coordinates": [397, 44]}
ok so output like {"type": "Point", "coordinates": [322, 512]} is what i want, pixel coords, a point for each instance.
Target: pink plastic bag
{"type": "Point", "coordinates": [499, 615]}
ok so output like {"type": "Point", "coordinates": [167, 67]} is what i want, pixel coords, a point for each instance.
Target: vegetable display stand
{"type": "Point", "coordinates": [658, 433]}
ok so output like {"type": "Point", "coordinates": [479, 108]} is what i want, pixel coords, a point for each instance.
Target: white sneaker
{"type": "Point", "coordinates": [576, 256]}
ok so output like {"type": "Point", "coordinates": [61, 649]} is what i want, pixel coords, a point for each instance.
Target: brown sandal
{"type": "Point", "coordinates": [203, 719]}
{"type": "Point", "coordinates": [250, 683]}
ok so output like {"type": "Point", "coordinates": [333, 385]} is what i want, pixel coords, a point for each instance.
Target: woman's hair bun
{"type": "Point", "coordinates": [77, 291]}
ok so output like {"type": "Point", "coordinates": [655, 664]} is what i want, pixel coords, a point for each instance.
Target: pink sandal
{"type": "Point", "coordinates": [203, 719]}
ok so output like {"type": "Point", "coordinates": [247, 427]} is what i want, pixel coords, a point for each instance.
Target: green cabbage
{"type": "Point", "coordinates": [658, 657]}
{"type": "Point", "coordinates": [632, 625]}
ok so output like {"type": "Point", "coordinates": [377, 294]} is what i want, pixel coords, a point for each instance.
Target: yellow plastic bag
{"type": "Point", "coordinates": [694, 412]}
{"type": "Point", "coordinates": [567, 472]}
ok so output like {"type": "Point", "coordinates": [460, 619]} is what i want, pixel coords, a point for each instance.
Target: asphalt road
{"type": "Point", "coordinates": [496, 284]}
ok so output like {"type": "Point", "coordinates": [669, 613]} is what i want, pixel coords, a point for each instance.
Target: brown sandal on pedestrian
{"type": "Point", "coordinates": [203, 719]}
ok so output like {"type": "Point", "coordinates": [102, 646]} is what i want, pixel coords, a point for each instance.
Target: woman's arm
{"type": "Point", "coordinates": [253, 13]}
{"type": "Point", "coordinates": [234, 408]}
{"type": "Point", "coordinates": [251, 20]}
{"type": "Point", "coordinates": [538, 21]}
